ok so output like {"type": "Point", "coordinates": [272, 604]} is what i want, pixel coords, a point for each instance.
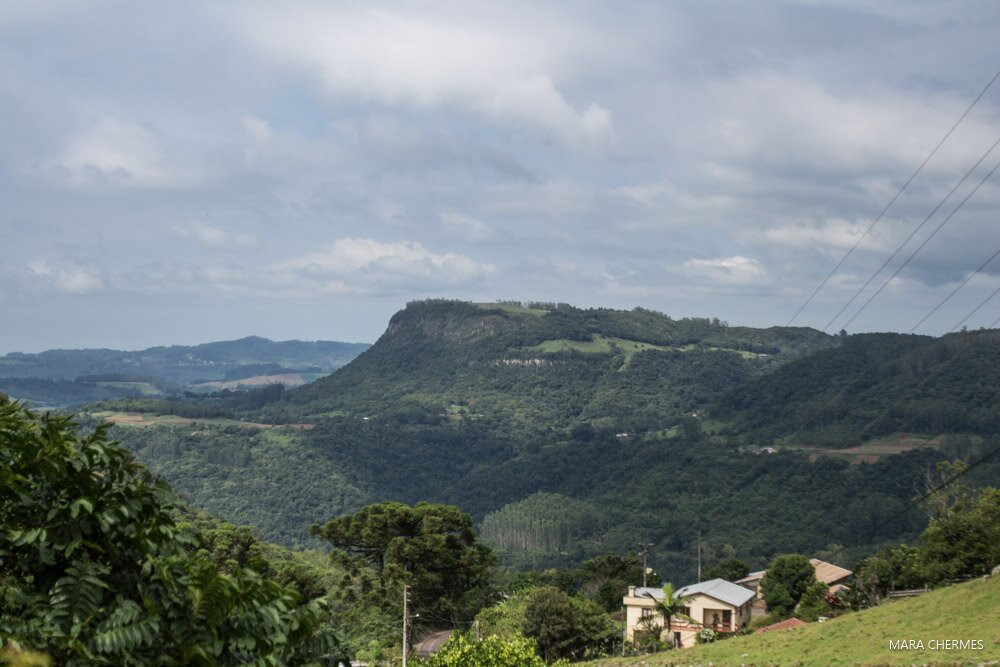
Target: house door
{"type": "Point", "coordinates": [677, 640]}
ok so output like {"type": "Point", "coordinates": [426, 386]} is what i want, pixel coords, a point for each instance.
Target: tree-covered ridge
{"type": "Point", "coordinates": [642, 371]}
{"type": "Point", "coordinates": [97, 570]}
{"type": "Point", "coordinates": [872, 385]}
{"type": "Point", "coordinates": [60, 378]}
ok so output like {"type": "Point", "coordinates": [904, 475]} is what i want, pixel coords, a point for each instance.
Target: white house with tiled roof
{"type": "Point", "coordinates": [716, 604]}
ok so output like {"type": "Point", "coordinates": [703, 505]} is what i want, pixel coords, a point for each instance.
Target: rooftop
{"type": "Point", "coordinates": [828, 573]}
{"type": "Point", "coordinates": [720, 589]}
{"type": "Point", "coordinates": [648, 591]}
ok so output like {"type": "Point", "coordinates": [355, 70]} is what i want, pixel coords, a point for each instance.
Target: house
{"type": "Point", "coordinates": [716, 604]}
{"type": "Point", "coordinates": [834, 576]}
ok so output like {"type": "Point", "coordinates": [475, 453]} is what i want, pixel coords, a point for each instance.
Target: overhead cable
{"type": "Point", "coordinates": [913, 233]}
{"type": "Point", "coordinates": [922, 244]}
{"type": "Point", "coordinates": [893, 200]}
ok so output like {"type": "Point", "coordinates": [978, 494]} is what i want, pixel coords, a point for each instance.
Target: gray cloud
{"type": "Point", "coordinates": [711, 159]}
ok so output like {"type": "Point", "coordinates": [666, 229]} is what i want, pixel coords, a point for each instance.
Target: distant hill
{"type": "Point", "coordinates": [872, 385]}
{"type": "Point", "coordinates": [58, 378]}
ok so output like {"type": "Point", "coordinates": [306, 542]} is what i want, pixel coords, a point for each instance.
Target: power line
{"type": "Point", "coordinates": [913, 233]}
{"type": "Point", "coordinates": [922, 244]}
{"type": "Point", "coordinates": [955, 291]}
{"type": "Point", "coordinates": [916, 501]}
{"type": "Point", "coordinates": [893, 200]}
{"type": "Point", "coordinates": [976, 309]}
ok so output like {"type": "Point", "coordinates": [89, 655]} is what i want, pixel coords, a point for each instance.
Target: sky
{"type": "Point", "coordinates": [181, 172]}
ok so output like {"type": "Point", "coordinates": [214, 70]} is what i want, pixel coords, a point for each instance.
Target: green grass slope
{"type": "Point", "coordinates": [969, 611]}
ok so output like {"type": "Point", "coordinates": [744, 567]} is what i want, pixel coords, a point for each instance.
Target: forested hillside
{"type": "Point", "coordinates": [872, 385]}
{"type": "Point", "coordinates": [570, 433]}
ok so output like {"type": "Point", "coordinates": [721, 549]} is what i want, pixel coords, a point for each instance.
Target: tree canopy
{"type": "Point", "coordinates": [430, 547]}
{"type": "Point", "coordinates": [785, 581]}
{"type": "Point", "coordinates": [95, 569]}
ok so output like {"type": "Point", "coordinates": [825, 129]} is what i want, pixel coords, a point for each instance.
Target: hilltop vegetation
{"type": "Point", "coordinates": [872, 385]}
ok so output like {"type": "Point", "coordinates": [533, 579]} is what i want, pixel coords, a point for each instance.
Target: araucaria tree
{"type": "Point", "coordinates": [94, 570]}
{"type": "Point", "coordinates": [432, 548]}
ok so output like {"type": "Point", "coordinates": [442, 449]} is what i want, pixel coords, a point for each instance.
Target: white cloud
{"type": "Point", "coordinates": [465, 226]}
{"type": "Point", "coordinates": [500, 72]}
{"type": "Point", "coordinates": [115, 152]}
{"type": "Point", "coordinates": [70, 279]}
{"type": "Point", "coordinates": [364, 265]}
{"type": "Point", "coordinates": [832, 237]}
{"type": "Point", "coordinates": [728, 271]}
{"type": "Point", "coordinates": [215, 237]}
{"type": "Point", "coordinates": [780, 119]}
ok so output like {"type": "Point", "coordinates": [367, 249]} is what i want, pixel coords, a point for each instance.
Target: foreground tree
{"type": "Point", "coordinates": [430, 547]}
{"type": "Point", "coordinates": [814, 603]}
{"type": "Point", "coordinates": [567, 627]}
{"type": "Point", "coordinates": [891, 568]}
{"type": "Point", "coordinates": [94, 570]}
{"type": "Point", "coordinates": [785, 581]}
{"type": "Point", "coordinates": [963, 536]}
{"type": "Point", "coordinates": [605, 579]}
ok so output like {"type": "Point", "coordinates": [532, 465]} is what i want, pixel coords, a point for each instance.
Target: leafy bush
{"type": "Point", "coordinates": [492, 651]}
{"type": "Point", "coordinates": [97, 571]}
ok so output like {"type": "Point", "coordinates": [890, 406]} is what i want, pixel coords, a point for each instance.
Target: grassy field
{"type": "Point", "coordinates": [969, 611]}
{"type": "Point", "coordinates": [873, 450]}
{"type": "Point", "coordinates": [141, 419]}
{"type": "Point", "coordinates": [601, 344]}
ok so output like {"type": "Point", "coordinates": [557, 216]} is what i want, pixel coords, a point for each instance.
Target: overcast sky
{"type": "Point", "coordinates": [185, 172]}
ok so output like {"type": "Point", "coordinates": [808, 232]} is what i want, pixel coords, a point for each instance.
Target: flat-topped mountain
{"type": "Point", "coordinates": [628, 370]}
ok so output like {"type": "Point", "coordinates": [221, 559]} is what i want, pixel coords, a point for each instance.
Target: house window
{"type": "Point", "coordinates": [687, 611]}
{"type": "Point", "coordinates": [647, 612]}
{"type": "Point", "coordinates": [727, 618]}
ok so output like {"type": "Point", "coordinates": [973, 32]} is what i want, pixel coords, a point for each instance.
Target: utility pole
{"type": "Point", "coordinates": [645, 556]}
{"type": "Point", "coordinates": [406, 620]}
{"type": "Point", "coordinates": [699, 554]}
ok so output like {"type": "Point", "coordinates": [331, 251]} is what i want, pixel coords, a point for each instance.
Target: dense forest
{"type": "Point", "coordinates": [872, 385]}
{"type": "Point", "coordinates": [567, 433]}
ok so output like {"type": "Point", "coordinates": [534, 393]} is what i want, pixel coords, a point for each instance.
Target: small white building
{"type": "Point", "coordinates": [715, 604]}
